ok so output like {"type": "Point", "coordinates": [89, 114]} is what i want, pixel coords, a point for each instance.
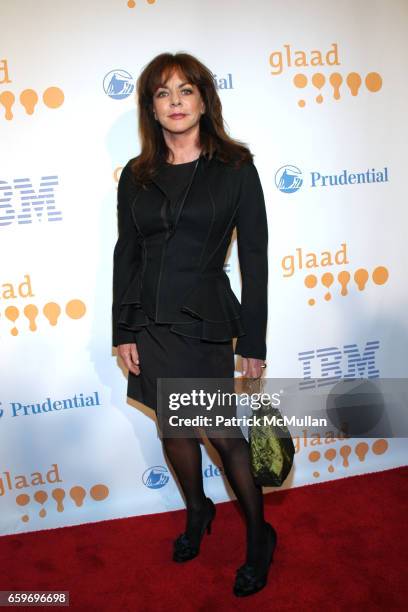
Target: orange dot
{"type": "Point", "coordinates": [361, 450]}
{"type": "Point", "coordinates": [52, 311]}
{"type": "Point", "coordinates": [327, 279]}
{"type": "Point", "coordinates": [99, 492]}
{"type": "Point", "coordinates": [361, 278]}
{"type": "Point", "coordinates": [353, 80]}
{"type": "Point", "coordinates": [301, 103]}
{"type": "Point", "coordinates": [53, 97]}
{"type": "Point", "coordinates": [330, 454]}
{"type": "Point", "coordinates": [379, 447]}
{"type": "Point", "coordinates": [7, 99]}
{"type": "Point", "coordinates": [311, 302]}
{"type": "Point", "coordinates": [318, 80]}
{"type": "Point", "coordinates": [131, 3]}
{"type": "Point", "coordinates": [75, 309]}
{"type": "Point", "coordinates": [373, 81]}
{"type": "Point", "coordinates": [310, 281]}
{"type": "Point", "coordinates": [29, 99]}
{"type": "Point", "coordinates": [41, 496]}
{"type": "Point", "coordinates": [380, 275]}
{"type": "Point", "coordinates": [22, 499]}
{"type": "Point", "coordinates": [78, 494]}
{"type": "Point", "coordinates": [314, 456]}
{"type": "Point", "coordinates": [300, 80]}
{"type": "Point", "coordinates": [12, 313]}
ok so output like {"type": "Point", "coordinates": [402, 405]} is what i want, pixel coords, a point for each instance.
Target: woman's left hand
{"type": "Point", "coordinates": [252, 368]}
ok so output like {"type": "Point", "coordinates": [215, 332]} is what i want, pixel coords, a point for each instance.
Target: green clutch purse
{"type": "Point", "coordinates": [271, 446]}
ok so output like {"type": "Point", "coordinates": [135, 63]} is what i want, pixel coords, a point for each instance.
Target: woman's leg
{"type": "Point", "coordinates": [184, 454]}
{"type": "Point", "coordinates": [234, 453]}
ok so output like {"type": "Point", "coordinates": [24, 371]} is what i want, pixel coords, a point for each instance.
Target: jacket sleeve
{"type": "Point", "coordinates": [126, 255]}
{"type": "Point", "coordinates": [252, 242]}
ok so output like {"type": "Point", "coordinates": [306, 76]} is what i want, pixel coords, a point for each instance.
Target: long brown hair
{"type": "Point", "coordinates": [213, 138]}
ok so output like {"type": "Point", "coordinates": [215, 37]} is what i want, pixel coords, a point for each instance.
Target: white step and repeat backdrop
{"type": "Point", "coordinates": [318, 91]}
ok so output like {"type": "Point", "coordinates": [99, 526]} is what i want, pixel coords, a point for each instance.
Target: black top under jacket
{"type": "Point", "coordinates": [169, 257]}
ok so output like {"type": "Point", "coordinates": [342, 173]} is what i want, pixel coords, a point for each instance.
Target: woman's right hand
{"type": "Point", "coordinates": [130, 356]}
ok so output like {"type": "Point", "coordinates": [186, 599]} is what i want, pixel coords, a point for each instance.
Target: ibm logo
{"type": "Point", "coordinates": [20, 203]}
{"type": "Point", "coordinates": [329, 364]}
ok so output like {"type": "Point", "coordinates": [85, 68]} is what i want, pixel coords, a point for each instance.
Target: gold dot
{"type": "Point", "coordinates": [379, 447]}
{"type": "Point", "coordinates": [310, 281]}
{"type": "Point", "coordinates": [300, 80]}
{"type": "Point", "coordinates": [99, 492]}
{"type": "Point", "coordinates": [75, 309]}
{"type": "Point", "coordinates": [373, 81]}
{"type": "Point", "coordinates": [330, 454]}
{"type": "Point", "coordinates": [380, 275]}
{"type": "Point", "coordinates": [53, 97]}
{"type": "Point", "coordinates": [22, 499]}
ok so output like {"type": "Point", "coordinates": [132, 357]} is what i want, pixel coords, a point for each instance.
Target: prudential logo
{"type": "Point", "coordinates": [118, 84]}
{"type": "Point", "coordinates": [288, 179]}
{"type": "Point", "coordinates": [156, 477]}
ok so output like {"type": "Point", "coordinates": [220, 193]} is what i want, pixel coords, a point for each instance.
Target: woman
{"type": "Point", "coordinates": [174, 313]}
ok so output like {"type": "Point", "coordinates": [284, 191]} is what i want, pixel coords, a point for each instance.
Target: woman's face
{"type": "Point", "coordinates": [178, 105]}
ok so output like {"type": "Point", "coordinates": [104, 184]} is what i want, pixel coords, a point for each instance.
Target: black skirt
{"type": "Point", "coordinates": [166, 354]}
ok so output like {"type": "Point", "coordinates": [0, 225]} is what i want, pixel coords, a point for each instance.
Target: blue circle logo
{"type": "Point", "coordinates": [288, 179]}
{"type": "Point", "coordinates": [118, 84]}
{"type": "Point", "coordinates": [156, 477]}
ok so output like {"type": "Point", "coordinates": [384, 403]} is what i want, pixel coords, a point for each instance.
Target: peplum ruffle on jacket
{"type": "Point", "coordinates": [211, 311]}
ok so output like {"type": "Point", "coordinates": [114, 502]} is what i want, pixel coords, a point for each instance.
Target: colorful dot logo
{"type": "Point", "coordinates": [318, 73]}
{"type": "Point", "coordinates": [361, 277]}
{"type": "Point", "coordinates": [334, 84]}
{"type": "Point", "coordinates": [74, 309]}
{"type": "Point", "coordinates": [361, 450]}
{"type": "Point", "coordinates": [77, 494]}
{"type": "Point", "coordinates": [52, 97]}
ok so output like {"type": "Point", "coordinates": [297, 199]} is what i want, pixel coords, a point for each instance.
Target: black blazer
{"type": "Point", "coordinates": [169, 264]}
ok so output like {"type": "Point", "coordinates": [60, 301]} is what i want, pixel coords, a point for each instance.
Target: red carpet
{"type": "Point", "coordinates": [342, 546]}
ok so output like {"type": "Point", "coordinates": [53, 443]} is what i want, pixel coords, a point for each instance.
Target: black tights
{"type": "Point", "coordinates": [184, 455]}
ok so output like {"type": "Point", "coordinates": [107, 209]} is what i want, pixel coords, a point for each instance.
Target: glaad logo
{"type": "Point", "coordinates": [288, 179]}
{"type": "Point", "coordinates": [118, 84]}
{"type": "Point", "coordinates": [318, 72]}
{"type": "Point", "coordinates": [156, 477]}
{"type": "Point", "coordinates": [332, 273]}
{"type": "Point", "coordinates": [27, 317]}
{"type": "Point", "coordinates": [52, 97]}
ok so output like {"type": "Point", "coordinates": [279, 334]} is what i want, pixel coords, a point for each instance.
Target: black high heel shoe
{"type": "Point", "coordinates": [187, 547]}
{"type": "Point", "coordinates": [250, 579]}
